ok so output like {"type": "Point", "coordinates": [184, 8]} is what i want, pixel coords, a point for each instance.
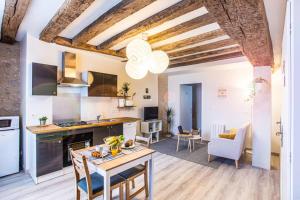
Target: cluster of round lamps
{"type": "Point", "coordinates": [142, 59]}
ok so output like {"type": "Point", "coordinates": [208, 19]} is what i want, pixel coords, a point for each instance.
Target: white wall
{"type": "Point", "coordinates": [295, 99]}
{"type": "Point", "coordinates": [37, 106]}
{"type": "Point", "coordinates": [232, 110]}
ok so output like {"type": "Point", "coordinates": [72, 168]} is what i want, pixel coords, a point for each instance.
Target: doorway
{"type": "Point", "coordinates": [191, 106]}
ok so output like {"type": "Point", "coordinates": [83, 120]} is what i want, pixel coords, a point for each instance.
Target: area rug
{"type": "Point", "coordinates": [199, 155]}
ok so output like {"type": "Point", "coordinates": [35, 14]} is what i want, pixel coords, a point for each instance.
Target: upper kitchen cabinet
{"type": "Point", "coordinates": [44, 79]}
{"type": "Point", "coordinates": [101, 85]}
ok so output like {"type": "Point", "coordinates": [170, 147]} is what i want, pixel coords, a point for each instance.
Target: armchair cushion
{"type": "Point", "coordinates": [230, 136]}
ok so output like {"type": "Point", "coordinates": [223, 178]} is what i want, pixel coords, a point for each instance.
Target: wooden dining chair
{"type": "Point", "coordinates": [92, 184]}
{"type": "Point", "coordinates": [141, 170]}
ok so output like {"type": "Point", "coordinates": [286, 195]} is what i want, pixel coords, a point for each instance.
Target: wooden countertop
{"type": "Point", "coordinates": [51, 128]}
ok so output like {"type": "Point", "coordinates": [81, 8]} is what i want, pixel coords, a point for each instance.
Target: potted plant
{"type": "Point", "coordinates": [124, 92]}
{"type": "Point", "coordinates": [170, 114]}
{"type": "Point", "coordinates": [43, 120]}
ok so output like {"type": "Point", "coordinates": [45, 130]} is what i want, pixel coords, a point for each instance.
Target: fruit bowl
{"type": "Point", "coordinates": [114, 141]}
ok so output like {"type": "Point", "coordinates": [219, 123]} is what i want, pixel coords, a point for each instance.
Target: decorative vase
{"type": "Point", "coordinates": [43, 122]}
{"type": "Point", "coordinates": [128, 103]}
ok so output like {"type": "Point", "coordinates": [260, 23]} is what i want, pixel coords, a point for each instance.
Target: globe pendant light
{"type": "Point", "coordinates": [138, 48]}
{"type": "Point", "coordinates": [159, 62]}
{"type": "Point", "coordinates": [136, 68]}
{"type": "Point", "coordinates": [141, 59]}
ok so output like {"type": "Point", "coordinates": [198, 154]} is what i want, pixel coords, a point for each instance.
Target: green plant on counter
{"type": "Point", "coordinates": [43, 120]}
{"type": "Point", "coordinates": [125, 89]}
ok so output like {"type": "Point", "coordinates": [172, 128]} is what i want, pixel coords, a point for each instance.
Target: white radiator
{"type": "Point", "coordinates": [216, 129]}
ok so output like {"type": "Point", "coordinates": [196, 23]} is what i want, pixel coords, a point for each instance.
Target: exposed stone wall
{"type": "Point", "coordinates": [9, 79]}
{"type": "Point", "coordinates": [163, 100]}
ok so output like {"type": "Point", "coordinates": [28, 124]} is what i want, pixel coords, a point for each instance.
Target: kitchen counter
{"type": "Point", "coordinates": [51, 128]}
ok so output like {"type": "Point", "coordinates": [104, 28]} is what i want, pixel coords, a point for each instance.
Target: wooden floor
{"type": "Point", "coordinates": [174, 179]}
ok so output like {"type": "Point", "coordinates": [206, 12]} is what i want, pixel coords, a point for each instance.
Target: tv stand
{"type": "Point", "coordinates": [152, 128]}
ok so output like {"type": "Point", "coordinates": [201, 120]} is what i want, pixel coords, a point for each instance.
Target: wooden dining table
{"type": "Point", "coordinates": [122, 163]}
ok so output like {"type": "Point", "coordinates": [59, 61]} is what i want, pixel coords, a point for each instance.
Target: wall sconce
{"type": "Point", "coordinates": [259, 84]}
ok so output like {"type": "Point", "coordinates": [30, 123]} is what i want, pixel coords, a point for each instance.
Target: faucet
{"type": "Point", "coordinates": [98, 117]}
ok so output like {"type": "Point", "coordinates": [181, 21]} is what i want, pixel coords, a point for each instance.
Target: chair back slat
{"type": "Point", "coordinates": [180, 129]}
{"type": "Point", "coordinates": [143, 140]}
{"type": "Point", "coordinates": [81, 168]}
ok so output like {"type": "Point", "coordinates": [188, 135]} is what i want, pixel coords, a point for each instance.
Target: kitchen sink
{"type": "Point", "coordinates": [107, 120]}
{"type": "Point", "coordinates": [101, 120]}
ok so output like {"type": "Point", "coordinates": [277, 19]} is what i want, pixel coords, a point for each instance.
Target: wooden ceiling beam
{"type": "Point", "coordinates": [14, 12]}
{"type": "Point", "coordinates": [181, 28]}
{"type": "Point", "coordinates": [205, 47]}
{"type": "Point", "coordinates": [209, 59]}
{"type": "Point", "coordinates": [68, 43]}
{"type": "Point", "coordinates": [245, 22]}
{"type": "Point", "coordinates": [119, 12]}
{"type": "Point", "coordinates": [192, 40]}
{"type": "Point", "coordinates": [67, 13]}
{"type": "Point", "coordinates": [197, 22]}
{"type": "Point", "coordinates": [206, 54]}
{"type": "Point", "coordinates": [155, 20]}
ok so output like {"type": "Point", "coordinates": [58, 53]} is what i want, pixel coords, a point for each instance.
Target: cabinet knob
{"type": "Point", "coordinates": [59, 141]}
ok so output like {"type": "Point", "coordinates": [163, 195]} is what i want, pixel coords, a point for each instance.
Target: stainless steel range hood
{"type": "Point", "coordinates": [69, 73]}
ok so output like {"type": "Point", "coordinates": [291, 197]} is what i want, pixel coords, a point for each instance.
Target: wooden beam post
{"type": "Point", "coordinates": [14, 13]}
{"type": "Point", "coordinates": [192, 40]}
{"type": "Point", "coordinates": [183, 7]}
{"type": "Point", "coordinates": [68, 43]}
{"type": "Point", "coordinates": [205, 60]}
{"type": "Point", "coordinates": [245, 22]}
{"type": "Point", "coordinates": [197, 22]}
{"type": "Point", "coordinates": [201, 48]}
{"type": "Point", "coordinates": [120, 11]}
{"type": "Point", "coordinates": [67, 13]}
{"type": "Point", "coordinates": [206, 54]}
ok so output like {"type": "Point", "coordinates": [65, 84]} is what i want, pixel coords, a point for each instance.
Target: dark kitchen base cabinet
{"type": "Point", "coordinates": [52, 149]}
{"type": "Point", "coordinates": [99, 134]}
{"type": "Point", "coordinates": [105, 131]}
{"type": "Point", "coordinates": [49, 154]}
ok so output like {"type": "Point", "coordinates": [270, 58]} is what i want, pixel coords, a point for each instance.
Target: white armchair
{"type": "Point", "coordinates": [228, 148]}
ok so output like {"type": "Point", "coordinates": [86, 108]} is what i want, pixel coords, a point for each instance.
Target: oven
{"type": "Point", "coordinates": [79, 139]}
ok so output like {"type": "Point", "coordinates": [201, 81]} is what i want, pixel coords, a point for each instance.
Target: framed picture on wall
{"type": "Point", "coordinates": [222, 92]}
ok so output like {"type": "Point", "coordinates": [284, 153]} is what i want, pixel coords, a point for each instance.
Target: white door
{"type": "Point", "coordinates": [285, 162]}
{"type": "Point", "coordinates": [186, 107]}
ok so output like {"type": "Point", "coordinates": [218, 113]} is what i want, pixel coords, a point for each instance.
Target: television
{"type": "Point", "coordinates": [150, 113]}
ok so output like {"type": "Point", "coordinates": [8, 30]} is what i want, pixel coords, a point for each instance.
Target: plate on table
{"type": "Point", "coordinates": [130, 147]}
{"type": "Point", "coordinates": [97, 154]}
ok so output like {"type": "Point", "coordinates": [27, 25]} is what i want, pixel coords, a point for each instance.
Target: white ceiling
{"type": "Point", "coordinates": [40, 13]}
